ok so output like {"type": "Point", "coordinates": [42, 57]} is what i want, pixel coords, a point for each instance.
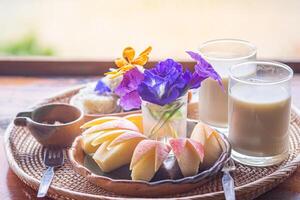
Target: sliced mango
{"type": "Point", "coordinates": [109, 159]}
{"type": "Point", "coordinates": [87, 140]}
{"type": "Point", "coordinates": [108, 136]}
{"type": "Point", "coordinates": [98, 121]}
{"type": "Point", "coordinates": [137, 119]}
{"type": "Point", "coordinates": [112, 125]}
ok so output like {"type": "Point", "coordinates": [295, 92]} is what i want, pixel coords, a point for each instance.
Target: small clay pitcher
{"type": "Point", "coordinates": [53, 124]}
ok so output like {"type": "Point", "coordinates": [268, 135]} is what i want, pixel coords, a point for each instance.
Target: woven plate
{"type": "Point", "coordinates": [24, 155]}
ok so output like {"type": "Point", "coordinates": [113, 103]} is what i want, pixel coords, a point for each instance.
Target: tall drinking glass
{"type": "Point", "coordinates": [259, 112]}
{"type": "Point", "coordinates": [221, 54]}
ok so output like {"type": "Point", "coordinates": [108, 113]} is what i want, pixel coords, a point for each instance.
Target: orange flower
{"type": "Point", "coordinates": [127, 62]}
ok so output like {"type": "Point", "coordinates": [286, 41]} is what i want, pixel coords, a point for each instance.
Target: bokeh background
{"type": "Point", "coordinates": [99, 29]}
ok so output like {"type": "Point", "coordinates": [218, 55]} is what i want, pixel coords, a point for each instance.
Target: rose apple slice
{"type": "Point", "coordinates": [212, 149]}
{"type": "Point", "coordinates": [210, 140]}
{"type": "Point", "coordinates": [189, 155]}
{"type": "Point", "coordinates": [147, 158]}
{"type": "Point", "coordinates": [199, 133]}
{"type": "Point", "coordinates": [112, 125]}
{"type": "Point", "coordinates": [137, 119]}
{"type": "Point", "coordinates": [130, 135]}
{"type": "Point", "coordinates": [110, 157]}
{"type": "Point", "coordinates": [98, 121]}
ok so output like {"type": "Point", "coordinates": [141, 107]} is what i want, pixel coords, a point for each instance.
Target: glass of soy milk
{"type": "Point", "coordinates": [221, 54]}
{"type": "Point", "coordinates": [259, 112]}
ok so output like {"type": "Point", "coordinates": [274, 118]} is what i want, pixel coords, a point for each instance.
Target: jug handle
{"type": "Point", "coordinates": [22, 118]}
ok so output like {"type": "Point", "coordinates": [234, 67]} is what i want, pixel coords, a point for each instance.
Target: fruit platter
{"type": "Point", "coordinates": [157, 151]}
{"type": "Point", "coordinates": [120, 158]}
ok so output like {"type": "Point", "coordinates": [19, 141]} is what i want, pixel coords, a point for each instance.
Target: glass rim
{"type": "Point", "coordinates": [183, 97]}
{"type": "Point", "coordinates": [228, 40]}
{"type": "Point", "coordinates": [273, 63]}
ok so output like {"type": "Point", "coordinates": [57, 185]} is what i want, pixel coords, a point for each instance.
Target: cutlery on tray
{"type": "Point", "coordinates": [228, 181]}
{"type": "Point", "coordinates": [53, 158]}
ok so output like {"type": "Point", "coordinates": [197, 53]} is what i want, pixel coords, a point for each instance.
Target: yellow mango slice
{"type": "Point", "coordinates": [137, 119]}
{"type": "Point", "coordinates": [86, 142]}
{"type": "Point", "coordinates": [109, 159]}
{"type": "Point", "coordinates": [98, 121]}
{"type": "Point", "coordinates": [112, 125]}
{"type": "Point", "coordinates": [108, 136]}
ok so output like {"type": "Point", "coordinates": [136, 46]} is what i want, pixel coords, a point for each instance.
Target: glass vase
{"type": "Point", "coordinates": [164, 122]}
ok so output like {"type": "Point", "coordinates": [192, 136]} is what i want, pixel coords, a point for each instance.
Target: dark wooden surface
{"type": "Point", "coordinates": [51, 66]}
{"type": "Point", "coordinates": [17, 93]}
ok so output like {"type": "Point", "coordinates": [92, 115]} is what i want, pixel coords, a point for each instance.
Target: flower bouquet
{"type": "Point", "coordinates": [161, 92]}
{"type": "Point", "coordinates": [153, 145]}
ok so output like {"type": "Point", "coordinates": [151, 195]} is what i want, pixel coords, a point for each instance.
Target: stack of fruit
{"type": "Point", "coordinates": [117, 141]}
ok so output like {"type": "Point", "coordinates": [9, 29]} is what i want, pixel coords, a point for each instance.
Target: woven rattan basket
{"type": "Point", "coordinates": [24, 155]}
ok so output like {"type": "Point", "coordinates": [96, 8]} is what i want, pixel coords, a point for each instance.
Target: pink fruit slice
{"type": "Point", "coordinates": [212, 150]}
{"type": "Point", "coordinates": [129, 135]}
{"type": "Point", "coordinates": [210, 139]}
{"type": "Point", "coordinates": [199, 133]}
{"type": "Point", "coordinates": [147, 158]}
{"type": "Point", "coordinates": [189, 155]}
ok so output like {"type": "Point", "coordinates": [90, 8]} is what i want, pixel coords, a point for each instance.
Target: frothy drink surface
{"type": "Point", "coordinates": [259, 119]}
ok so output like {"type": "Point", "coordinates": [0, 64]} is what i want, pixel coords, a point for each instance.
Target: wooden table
{"type": "Point", "coordinates": [17, 93]}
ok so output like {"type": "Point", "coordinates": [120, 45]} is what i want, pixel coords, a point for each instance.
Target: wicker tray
{"type": "Point", "coordinates": [24, 155]}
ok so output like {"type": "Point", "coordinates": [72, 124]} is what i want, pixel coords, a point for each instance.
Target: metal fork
{"type": "Point", "coordinates": [227, 180]}
{"type": "Point", "coordinates": [53, 158]}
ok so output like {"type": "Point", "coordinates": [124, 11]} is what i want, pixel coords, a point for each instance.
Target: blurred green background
{"type": "Point", "coordinates": [28, 45]}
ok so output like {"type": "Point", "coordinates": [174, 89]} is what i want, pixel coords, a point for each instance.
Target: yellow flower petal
{"type": "Point", "coordinates": [128, 54]}
{"type": "Point", "coordinates": [141, 60]}
{"type": "Point", "coordinates": [146, 51]}
{"type": "Point", "coordinates": [119, 73]}
{"type": "Point", "coordinates": [113, 72]}
{"type": "Point", "coordinates": [120, 62]}
{"type": "Point", "coordinates": [127, 67]}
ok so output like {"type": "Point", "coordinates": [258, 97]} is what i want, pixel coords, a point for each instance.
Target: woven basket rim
{"type": "Point", "coordinates": [33, 182]}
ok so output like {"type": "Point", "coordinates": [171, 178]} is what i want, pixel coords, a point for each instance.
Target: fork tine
{"type": "Point", "coordinates": [47, 154]}
{"type": "Point", "coordinates": [58, 153]}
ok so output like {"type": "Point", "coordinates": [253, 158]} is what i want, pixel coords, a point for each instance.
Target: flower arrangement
{"type": "Point", "coordinates": [160, 91]}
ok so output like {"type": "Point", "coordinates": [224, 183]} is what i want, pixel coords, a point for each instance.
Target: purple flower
{"type": "Point", "coordinates": [101, 87]}
{"type": "Point", "coordinates": [127, 89]}
{"type": "Point", "coordinates": [167, 81]}
{"type": "Point", "coordinates": [203, 70]}
{"type": "Point", "coordinates": [164, 83]}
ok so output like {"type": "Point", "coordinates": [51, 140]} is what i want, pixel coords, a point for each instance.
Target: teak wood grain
{"type": "Point", "coordinates": [51, 66]}
{"type": "Point", "coordinates": [17, 93]}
